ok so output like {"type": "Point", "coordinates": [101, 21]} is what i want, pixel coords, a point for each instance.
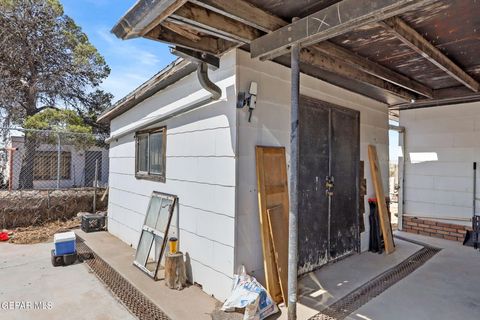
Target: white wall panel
{"type": "Point", "coordinates": [200, 170]}
{"type": "Point", "coordinates": [453, 134]}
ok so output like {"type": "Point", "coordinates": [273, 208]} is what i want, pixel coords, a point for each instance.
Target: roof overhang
{"type": "Point", "coordinates": [143, 16]}
{"type": "Point", "coordinates": [175, 71]}
{"type": "Point", "coordinates": [404, 53]}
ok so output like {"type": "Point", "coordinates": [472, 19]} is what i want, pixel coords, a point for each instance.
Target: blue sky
{"type": "Point", "coordinates": [132, 61]}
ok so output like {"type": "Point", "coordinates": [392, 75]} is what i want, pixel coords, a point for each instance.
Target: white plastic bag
{"type": "Point", "coordinates": [248, 293]}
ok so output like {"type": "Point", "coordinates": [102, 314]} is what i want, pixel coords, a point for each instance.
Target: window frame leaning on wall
{"type": "Point", "coordinates": [148, 174]}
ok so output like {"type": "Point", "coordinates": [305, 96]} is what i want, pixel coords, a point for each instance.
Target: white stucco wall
{"type": "Point", "coordinates": [270, 125]}
{"type": "Point", "coordinates": [443, 187]}
{"type": "Point", "coordinates": [200, 170]}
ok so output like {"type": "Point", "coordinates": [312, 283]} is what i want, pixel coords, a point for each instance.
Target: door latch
{"type": "Point", "coordinates": [329, 185]}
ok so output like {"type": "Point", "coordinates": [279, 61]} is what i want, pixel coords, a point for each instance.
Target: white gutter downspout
{"type": "Point", "coordinates": [205, 82]}
{"type": "Point", "coordinates": [401, 172]}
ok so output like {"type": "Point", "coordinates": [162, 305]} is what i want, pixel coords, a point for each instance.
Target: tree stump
{"type": "Point", "coordinates": [175, 274]}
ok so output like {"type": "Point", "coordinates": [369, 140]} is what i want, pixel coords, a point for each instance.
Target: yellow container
{"type": "Point", "coordinates": [173, 245]}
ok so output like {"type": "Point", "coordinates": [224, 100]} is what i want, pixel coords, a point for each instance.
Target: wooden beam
{"type": "Point", "coordinates": [442, 97]}
{"type": "Point", "coordinates": [214, 23]}
{"type": "Point", "coordinates": [422, 46]}
{"type": "Point", "coordinates": [143, 17]}
{"type": "Point", "coordinates": [244, 12]}
{"type": "Point", "coordinates": [163, 15]}
{"type": "Point", "coordinates": [320, 60]}
{"type": "Point", "coordinates": [373, 68]}
{"type": "Point", "coordinates": [337, 19]}
{"type": "Point", "coordinates": [182, 30]}
{"type": "Point", "coordinates": [206, 44]}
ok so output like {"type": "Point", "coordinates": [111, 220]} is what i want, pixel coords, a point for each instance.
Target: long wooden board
{"type": "Point", "coordinates": [279, 236]}
{"type": "Point", "coordinates": [380, 195]}
{"type": "Point", "coordinates": [272, 191]}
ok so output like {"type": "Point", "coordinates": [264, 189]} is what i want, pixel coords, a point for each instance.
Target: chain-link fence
{"type": "Point", "coordinates": [41, 159]}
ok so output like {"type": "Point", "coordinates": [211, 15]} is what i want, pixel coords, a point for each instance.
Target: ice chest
{"type": "Point", "coordinates": [64, 243]}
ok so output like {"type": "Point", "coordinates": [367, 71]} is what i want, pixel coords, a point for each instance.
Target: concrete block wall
{"type": "Point", "coordinates": [270, 126]}
{"type": "Point", "coordinates": [200, 170]}
{"type": "Point", "coordinates": [442, 186]}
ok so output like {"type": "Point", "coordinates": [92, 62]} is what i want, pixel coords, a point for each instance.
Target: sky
{"type": "Point", "coordinates": [132, 61]}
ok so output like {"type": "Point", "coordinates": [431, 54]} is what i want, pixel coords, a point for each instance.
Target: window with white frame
{"type": "Point", "coordinates": [150, 154]}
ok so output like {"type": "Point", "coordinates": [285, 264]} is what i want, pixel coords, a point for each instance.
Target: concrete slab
{"type": "Point", "coordinates": [189, 303]}
{"type": "Point", "coordinates": [27, 276]}
{"type": "Point", "coordinates": [445, 287]}
{"type": "Point", "coordinates": [321, 288]}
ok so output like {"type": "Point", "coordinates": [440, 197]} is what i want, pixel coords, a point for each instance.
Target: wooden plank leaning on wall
{"type": "Point", "coordinates": [380, 195]}
{"type": "Point", "coordinates": [272, 192]}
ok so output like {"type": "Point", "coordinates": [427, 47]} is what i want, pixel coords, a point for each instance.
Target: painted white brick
{"type": "Point", "coordinates": [217, 227]}
{"type": "Point", "coordinates": [198, 248]}
{"type": "Point", "coordinates": [459, 184]}
{"type": "Point", "coordinates": [419, 182]}
{"type": "Point", "coordinates": [188, 218]}
{"type": "Point", "coordinates": [223, 258]}
{"type": "Point", "coordinates": [122, 165]}
{"type": "Point", "coordinates": [220, 288]}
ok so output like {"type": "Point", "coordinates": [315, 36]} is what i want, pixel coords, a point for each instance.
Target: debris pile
{"type": "Point", "coordinates": [43, 233]}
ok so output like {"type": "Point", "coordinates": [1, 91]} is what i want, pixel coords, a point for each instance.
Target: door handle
{"type": "Point", "coordinates": [329, 185]}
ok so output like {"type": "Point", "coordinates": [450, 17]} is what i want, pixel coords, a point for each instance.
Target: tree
{"type": "Point", "coordinates": [49, 123]}
{"type": "Point", "coordinates": [46, 61]}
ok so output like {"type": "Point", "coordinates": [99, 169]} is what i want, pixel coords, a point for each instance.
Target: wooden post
{"type": "Point", "coordinates": [175, 274]}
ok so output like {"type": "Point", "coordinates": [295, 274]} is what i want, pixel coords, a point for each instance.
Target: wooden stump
{"type": "Point", "coordinates": [175, 275]}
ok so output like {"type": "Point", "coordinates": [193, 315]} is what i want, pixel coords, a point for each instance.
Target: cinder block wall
{"type": "Point", "coordinates": [200, 170]}
{"type": "Point", "coordinates": [442, 187]}
{"type": "Point", "coordinates": [270, 126]}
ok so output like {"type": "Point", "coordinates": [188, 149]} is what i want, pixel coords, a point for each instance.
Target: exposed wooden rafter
{"type": "Point", "coordinates": [206, 43]}
{"type": "Point", "coordinates": [373, 68]}
{"type": "Point", "coordinates": [422, 46]}
{"type": "Point", "coordinates": [212, 22]}
{"type": "Point", "coordinates": [164, 14]}
{"type": "Point", "coordinates": [182, 30]}
{"type": "Point", "coordinates": [245, 13]}
{"type": "Point", "coordinates": [334, 20]}
{"type": "Point", "coordinates": [316, 58]}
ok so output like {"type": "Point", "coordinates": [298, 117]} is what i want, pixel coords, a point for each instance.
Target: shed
{"type": "Point", "coordinates": [359, 63]}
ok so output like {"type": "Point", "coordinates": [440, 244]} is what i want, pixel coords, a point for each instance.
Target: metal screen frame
{"type": "Point", "coordinates": [156, 233]}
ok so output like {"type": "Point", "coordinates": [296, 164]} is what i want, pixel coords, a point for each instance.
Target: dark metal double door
{"type": "Point", "coordinates": [329, 156]}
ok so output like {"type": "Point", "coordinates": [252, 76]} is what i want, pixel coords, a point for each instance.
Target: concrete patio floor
{"type": "Point", "coordinates": [27, 276]}
{"type": "Point", "coordinates": [445, 287]}
{"type": "Point", "coordinates": [189, 303]}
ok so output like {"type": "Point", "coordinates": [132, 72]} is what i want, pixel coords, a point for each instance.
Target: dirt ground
{"type": "Point", "coordinates": [42, 233]}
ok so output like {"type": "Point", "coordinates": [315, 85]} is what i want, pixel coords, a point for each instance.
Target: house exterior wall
{"type": "Point", "coordinates": [270, 126]}
{"type": "Point", "coordinates": [442, 188]}
{"type": "Point", "coordinates": [200, 170]}
{"type": "Point", "coordinates": [77, 166]}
